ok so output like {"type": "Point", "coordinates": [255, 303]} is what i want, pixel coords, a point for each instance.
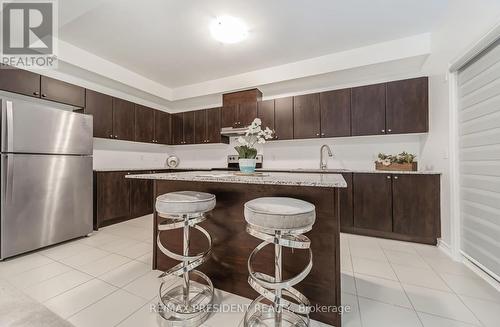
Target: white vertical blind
{"type": "Point", "coordinates": [479, 155]}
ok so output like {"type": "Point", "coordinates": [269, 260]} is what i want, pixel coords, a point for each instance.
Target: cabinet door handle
{"type": "Point", "coordinates": [395, 177]}
{"type": "Point", "coordinates": [389, 177]}
{"type": "Point", "coordinates": [383, 131]}
{"type": "Point", "coordinates": [36, 93]}
{"type": "Point", "coordinates": [111, 136]}
{"type": "Point", "coordinates": [317, 134]}
{"type": "Point", "coordinates": [44, 95]}
{"type": "Point", "coordinates": [389, 130]}
{"type": "Point", "coordinates": [116, 136]}
{"type": "Point", "coordinates": [322, 134]}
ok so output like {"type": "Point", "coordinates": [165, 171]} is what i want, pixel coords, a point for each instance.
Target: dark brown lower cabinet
{"type": "Point", "coordinates": [416, 205]}
{"type": "Point", "coordinates": [117, 198]}
{"type": "Point", "coordinates": [372, 198]}
{"type": "Point", "coordinates": [112, 197]}
{"type": "Point", "coordinates": [397, 206]}
{"type": "Point", "coordinates": [141, 197]}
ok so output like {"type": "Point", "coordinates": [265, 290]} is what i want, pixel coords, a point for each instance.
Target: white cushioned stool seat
{"type": "Point", "coordinates": [185, 202]}
{"type": "Point", "coordinates": [280, 213]}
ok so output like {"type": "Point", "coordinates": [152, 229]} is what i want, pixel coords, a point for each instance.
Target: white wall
{"type": "Point", "coordinates": [352, 152]}
{"type": "Point", "coordinates": [464, 24]}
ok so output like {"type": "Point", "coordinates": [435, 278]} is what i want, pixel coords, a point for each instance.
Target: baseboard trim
{"type": "Point", "coordinates": [445, 247]}
{"type": "Point", "coordinates": [483, 272]}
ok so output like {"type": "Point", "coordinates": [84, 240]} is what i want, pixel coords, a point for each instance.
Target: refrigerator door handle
{"type": "Point", "coordinates": [7, 126]}
{"type": "Point", "coordinates": [9, 178]}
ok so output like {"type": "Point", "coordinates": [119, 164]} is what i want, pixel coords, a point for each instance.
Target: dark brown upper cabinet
{"type": "Point", "coordinates": [214, 127]}
{"type": "Point", "coordinates": [144, 124]}
{"type": "Point", "coordinates": [239, 115]}
{"type": "Point", "coordinates": [177, 129]}
{"type": "Point", "coordinates": [100, 106]}
{"type": "Point", "coordinates": [162, 127]}
{"type": "Point", "coordinates": [59, 91]}
{"type": "Point", "coordinates": [247, 112]}
{"type": "Point", "coordinates": [283, 118]}
{"type": "Point", "coordinates": [123, 120]}
{"type": "Point", "coordinates": [265, 111]}
{"type": "Point", "coordinates": [372, 199]}
{"type": "Point", "coordinates": [306, 116]}
{"type": "Point", "coordinates": [183, 128]}
{"type": "Point", "coordinates": [200, 126]}
{"type": "Point", "coordinates": [335, 113]}
{"type": "Point", "coordinates": [19, 81]}
{"type": "Point", "coordinates": [416, 205]}
{"type": "Point", "coordinates": [407, 106]}
{"type": "Point", "coordinates": [207, 124]}
{"type": "Point", "coordinates": [229, 115]}
{"type": "Point", "coordinates": [238, 97]}
{"type": "Point", "coordinates": [368, 110]}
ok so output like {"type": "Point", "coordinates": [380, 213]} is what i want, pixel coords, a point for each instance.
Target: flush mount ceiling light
{"type": "Point", "coordinates": [228, 29]}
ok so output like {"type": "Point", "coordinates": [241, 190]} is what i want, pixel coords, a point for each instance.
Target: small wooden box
{"type": "Point", "coordinates": [397, 166]}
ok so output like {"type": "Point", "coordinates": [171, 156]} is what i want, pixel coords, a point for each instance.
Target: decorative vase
{"type": "Point", "coordinates": [247, 166]}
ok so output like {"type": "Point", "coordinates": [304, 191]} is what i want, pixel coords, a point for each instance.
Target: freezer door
{"type": "Point", "coordinates": [45, 199]}
{"type": "Point", "coordinates": [28, 127]}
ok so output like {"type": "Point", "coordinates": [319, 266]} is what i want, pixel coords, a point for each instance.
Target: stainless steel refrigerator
{"type": "Point", "coordinates": [46, 176]}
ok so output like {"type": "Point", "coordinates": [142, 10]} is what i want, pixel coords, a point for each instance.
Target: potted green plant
{"type": "Point", "coordinates": [246, 150]}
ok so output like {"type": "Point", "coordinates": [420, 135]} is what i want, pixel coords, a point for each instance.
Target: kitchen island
{"type": "Point", "coordinates": [232, 245]}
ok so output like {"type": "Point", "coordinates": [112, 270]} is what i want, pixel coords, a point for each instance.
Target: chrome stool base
{"type": "Point", "coordinates": [187, 301]}
{"type": "Point", "coordinates": [177, 311]}
{"type": "Point", "coordinates": [261, 313]}
{"type": "Point", "coordinates": [279, 304]}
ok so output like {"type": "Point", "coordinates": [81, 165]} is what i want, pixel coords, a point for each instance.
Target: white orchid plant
{"type": "Point", "coordinates": [254, 135]}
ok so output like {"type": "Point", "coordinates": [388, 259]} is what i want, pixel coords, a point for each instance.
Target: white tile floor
{"type": "Point", "coordinates": [106, 280]}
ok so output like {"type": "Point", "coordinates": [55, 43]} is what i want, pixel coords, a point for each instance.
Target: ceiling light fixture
{"type": "Point", "coordinates": [228, 29]}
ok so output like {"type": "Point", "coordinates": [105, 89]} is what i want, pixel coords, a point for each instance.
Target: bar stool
{"type": "Point", "coordinates": [280, 221]}
{"type": "Point", "coordinates": [186, 304]}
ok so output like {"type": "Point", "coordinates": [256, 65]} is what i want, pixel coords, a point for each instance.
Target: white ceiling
{"type": "Point", "coordinates": [168, 41]}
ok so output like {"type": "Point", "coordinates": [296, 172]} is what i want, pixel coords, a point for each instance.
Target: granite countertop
{"type": "Point", "coordinates": [270, 178]}
{"type": "Point", "coordinates": [283, 170]}
{"type": "Point", "coordinates": [147, 168]}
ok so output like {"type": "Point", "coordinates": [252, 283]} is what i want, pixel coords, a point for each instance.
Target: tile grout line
{"type": "Point", "coordinates": [404, 290]}
{"type": "Point", "coordinates": [355, 283]}
{"type": "Point", "coordinates": [456, 294]}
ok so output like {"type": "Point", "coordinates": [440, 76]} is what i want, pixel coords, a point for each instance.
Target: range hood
{"type": "Point", "coordinates": [233, 131]}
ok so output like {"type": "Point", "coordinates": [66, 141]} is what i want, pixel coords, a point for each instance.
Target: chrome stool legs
{"type": "Point", "coordinates": [186, 304]}
{"type": "Point", "coordinates": [279, 304]}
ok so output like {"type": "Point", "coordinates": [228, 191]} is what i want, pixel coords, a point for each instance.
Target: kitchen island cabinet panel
{"type": "Point", "coordinates": [373, 201]}
{"type": "Point", "coordinates": [306, 116]}
{"type": "Point", "coordinates": [335, 113]}
{"type": "Point", "coordinates": [100, 106]}
{"type": "Point", "coordinates": [416, 205]}
{"type": "Point", "coordinates": [346, 202]}
{"type": "Point", "coordinates": [368, 110]}
{"type": "Point", "coordinates": [283, 118]}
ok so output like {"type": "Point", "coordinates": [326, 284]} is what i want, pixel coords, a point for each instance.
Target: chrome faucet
{"type": "Point", "coordinates": [323, 164]}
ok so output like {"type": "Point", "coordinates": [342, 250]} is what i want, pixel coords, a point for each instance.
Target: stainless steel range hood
{"type": "Point", "coordinates": [233, 131]}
